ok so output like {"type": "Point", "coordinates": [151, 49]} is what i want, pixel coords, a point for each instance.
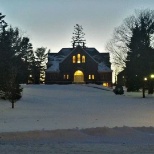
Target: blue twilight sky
{"type": "Point", "coordinates": [50, 23]}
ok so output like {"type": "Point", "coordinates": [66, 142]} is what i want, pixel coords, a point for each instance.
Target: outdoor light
{"type": "Point", "coordinates": [152, 76]}
{"type": "Point", "coordinates": [145, 79]}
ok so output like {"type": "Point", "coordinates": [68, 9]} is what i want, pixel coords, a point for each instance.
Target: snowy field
{"type": "Point", "coordinates": [80, 118]}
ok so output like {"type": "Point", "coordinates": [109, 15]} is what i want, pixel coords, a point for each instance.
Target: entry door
{"type": "Point", "coordinates": [78, 76]}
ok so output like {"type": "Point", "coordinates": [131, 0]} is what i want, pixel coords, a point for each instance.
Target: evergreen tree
{"type": "Point", "coordinates": [13, 89]}
{"type": "Point", "coordinates": [139, 59]}
{"type": "Point", "coordinates": [118, 45]}
{"type": "Point", "coordinates": [26, 56]}
{"type": "Point", "coordinates": [78, 36]}
{"type": "Point", "coordinates": [9, 43]}
{"type": "Point", "coordinates": [40, 64]}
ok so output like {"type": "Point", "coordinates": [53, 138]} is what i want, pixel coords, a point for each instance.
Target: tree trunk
{"type": "Point", "coordinates": [12, 104]}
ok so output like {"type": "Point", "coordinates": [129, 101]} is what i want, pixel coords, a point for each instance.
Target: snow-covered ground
{"type": "Point", "coordinates": [49, 107]}
{"type": "Point", "coordinates": [81, 119]}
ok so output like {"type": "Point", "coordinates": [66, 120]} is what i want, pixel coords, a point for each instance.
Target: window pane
{"type": "Point", "coordinates": [78, 58]}
{"type": "Point", "coordinates": [83, 59]}
{"type": "Point", "coordinates": [89, 76]}
{"type": "Point", "coordinates": [67, 76]}
{"type": "Point", "coordinates": [74, 59]}
{"type": "Point", "coordinates": [93, 77]}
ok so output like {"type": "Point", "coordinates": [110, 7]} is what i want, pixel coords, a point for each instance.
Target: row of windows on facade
{"type": "Point", "coordinates": [90, 76]}
{"type": "Point", "coordinates": [79, 59]}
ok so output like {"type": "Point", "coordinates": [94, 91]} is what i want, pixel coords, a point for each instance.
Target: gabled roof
{"type": "Point", "coordinates": [84, 49]}
{"type": "Point", "coordinates": [65, 51]}
{"type": "Point", "coordinates": [55, 58]}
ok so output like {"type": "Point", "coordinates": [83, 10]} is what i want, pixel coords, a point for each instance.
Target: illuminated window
{"type": "Point", "coordinates": [105, 84]}
{"type": "Point", "coordinates": [93, 77]}
{"type": "Point", "coordinates": [78, 58]}
{"type": "Point", "coordinates": [64, 76]}
{"type": "Point", "coordinates": [83, 59]}
{"type": "Point", "coordinates": [67, 76]}
{"type": "Point", "coordinates": [74, 59]}
{"type": "Point", "coordinates": [89, 77]}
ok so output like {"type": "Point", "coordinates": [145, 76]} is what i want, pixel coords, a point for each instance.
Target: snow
{"type": "Point", "coordinates": [54, 62]}
{"type": "Point", "coordinates": [103, 68]}
{"type": "Point", "coordinates": [49, 107]}
{"type": "Point", "coordinates": [84, 117]}
{"type": "Point", "coordinates": [54, 67]}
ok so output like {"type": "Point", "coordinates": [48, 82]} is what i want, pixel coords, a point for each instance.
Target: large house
{"type": "Point", "coordinates": [78, 64]}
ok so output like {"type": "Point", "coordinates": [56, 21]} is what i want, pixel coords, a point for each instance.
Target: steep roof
{"type": "Point", "coordinates": [55, 58]}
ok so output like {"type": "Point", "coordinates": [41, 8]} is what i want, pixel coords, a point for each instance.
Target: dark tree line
{"type": "Point", "coordinates": [19, 63]}
{"type": "Point", "coordinates": [132, 48]}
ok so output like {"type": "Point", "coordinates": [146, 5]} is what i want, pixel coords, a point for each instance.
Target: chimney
{"type": "Point", "coordinates": [73, 44]}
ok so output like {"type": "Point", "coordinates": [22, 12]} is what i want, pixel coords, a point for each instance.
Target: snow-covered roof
{"type": "Point", "coordinates": [55, 59]}
{"type": "Point", "coordinates": [54, 62]}
{"type": "Point", "coordinates": [103, 68]}
{"type": "Point", "coordinates": [54, 67]}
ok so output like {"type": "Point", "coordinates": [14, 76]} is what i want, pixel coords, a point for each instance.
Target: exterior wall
{"type": "Point", "coordinates": [88, 68]}
{"type": "Point", "coordinates": [106, 77]}
{"type": "Point", "coordinates": [52, 78]}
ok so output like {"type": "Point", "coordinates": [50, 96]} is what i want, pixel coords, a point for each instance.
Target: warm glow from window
{"type": "Point", "coordinates": [67, 76]}
{"type": "Point", "coordinates": [93, 77]}
{"type": "Point", "coordinates": [105, 84]}
{"type": "Point", "coordinates": [78, 58]}
{"type": "Point", "coordinates": [89, 77]}
{"type": "Point", "coordinates": [83, 59]}
{"type": "Point", "coordinates": [78, 72]}
{"type": "Point", "coordinates": [74, 59]}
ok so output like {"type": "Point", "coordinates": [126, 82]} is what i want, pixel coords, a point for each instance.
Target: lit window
{"type": "Point", "coordinates": [83, 59]}
{"type": "Point", "coordinates": [74, 59]}
{"type": "Point", "coordinates": [93, 77]}
{"type": "Point", "coordinates": [78, 58]}
{"type": "Point", "coordinates": [105, 84]}
{"type": "Point", "coordinates": [89, 77]}
{"type": "Point", "coordinates": [67, 76]}
{"type": "Point", "coordinates": [64, 76]}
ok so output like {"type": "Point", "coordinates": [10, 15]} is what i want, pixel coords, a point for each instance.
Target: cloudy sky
{"type": "Point", "coordinates": [50, 23]}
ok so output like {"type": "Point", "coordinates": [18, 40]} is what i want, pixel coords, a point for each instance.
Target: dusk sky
{"type": "Point", "coordinates": [50, 23]}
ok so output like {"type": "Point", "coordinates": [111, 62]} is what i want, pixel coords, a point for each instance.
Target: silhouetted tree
{"type": "Point", "coordinates": [118, 45]}
{"type": "Point", "coordinates": [26, 56]}
{"type": "Point", "coordinates": [131, 47]}
{"type": "Point", "coordinates": [13, 90]}
{"type": "Point", "coordinates": [78, 36]}
{"type": "Point", "coordinates": [40, 64]}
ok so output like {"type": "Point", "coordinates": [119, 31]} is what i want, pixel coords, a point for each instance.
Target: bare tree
{"type": "Point", "coordinates": [118, 45]}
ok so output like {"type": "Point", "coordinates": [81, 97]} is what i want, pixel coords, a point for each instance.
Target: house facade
{"type": "Point", "coordinates": [78, 65]}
